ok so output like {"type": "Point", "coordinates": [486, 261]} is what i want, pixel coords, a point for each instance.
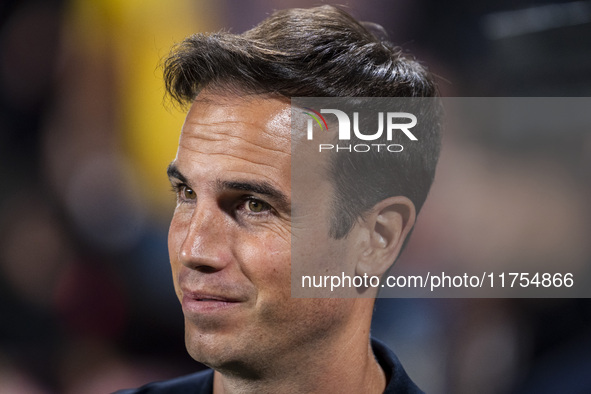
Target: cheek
{"type": "Point", "coordinates": [173, 241]}
{"type": "Point", "coordinates": [267, 262]}
{"type": "Point", "coordinates": [318, 254]}
{"type": "Point", "coordinates": [176, 235]}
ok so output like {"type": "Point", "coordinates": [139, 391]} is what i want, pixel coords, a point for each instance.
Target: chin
{"type": "Point", "coordinates": [224, 354]}
{"type": "Point", "coordinates": [207, 348]}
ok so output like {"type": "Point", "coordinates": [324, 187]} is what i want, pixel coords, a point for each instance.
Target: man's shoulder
{"type": "Point", "coordinates": [398, 380]}
{"type": "Point", "coordinates": [196, 383]}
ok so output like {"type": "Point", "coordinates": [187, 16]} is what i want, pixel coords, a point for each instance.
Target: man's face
{"type": "Point", "coordinates": [230, 237]}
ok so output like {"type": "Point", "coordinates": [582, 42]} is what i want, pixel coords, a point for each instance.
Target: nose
{"type": "Point", "coordinates": [206, 245]}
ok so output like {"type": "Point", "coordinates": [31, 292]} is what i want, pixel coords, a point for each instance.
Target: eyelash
{"type": "Point", "coordinates": [178, 189]}
{"type": "Point", "coordinates": [267, 209]}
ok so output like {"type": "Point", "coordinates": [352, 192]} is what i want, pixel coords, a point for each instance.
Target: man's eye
{"type": "Point", "coordinates": [257, 206]}
{"type": "Point", "coordinates": [188, 193]}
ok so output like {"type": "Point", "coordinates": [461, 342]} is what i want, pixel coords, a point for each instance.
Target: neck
{"type": "Point", "coordinates": [343, 363]}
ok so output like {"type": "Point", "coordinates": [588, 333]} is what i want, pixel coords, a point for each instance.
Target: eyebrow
{"type": "Point", "coordinates": [263, 188]}
{"type": "Point", "coordinates": [173, 172]}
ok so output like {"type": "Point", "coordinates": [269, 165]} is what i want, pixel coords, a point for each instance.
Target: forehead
{"type": "Point", "coordinates": [259, 120]}
{"type": "Point", "coordinates": [268, 114]}
{"type": "Point", "coordinates": [233, 135]}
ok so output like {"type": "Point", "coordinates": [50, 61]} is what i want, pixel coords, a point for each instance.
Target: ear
{"type": "Point", "coordinates": [388, 224]}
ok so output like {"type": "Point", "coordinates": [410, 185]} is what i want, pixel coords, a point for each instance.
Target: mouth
{"type": "Point", "coordinates": [211, 299]}
{"type": "Point", "coordinates": [204, 296]}
{"type": "Point", "coordinates": [197, 303]}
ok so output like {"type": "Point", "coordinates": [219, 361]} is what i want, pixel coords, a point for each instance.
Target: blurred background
{"type": "Point", "coordinates": [86, 298]}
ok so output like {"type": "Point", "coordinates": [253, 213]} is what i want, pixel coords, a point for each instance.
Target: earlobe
{"type": "Point", "coordinates": [389, 224]}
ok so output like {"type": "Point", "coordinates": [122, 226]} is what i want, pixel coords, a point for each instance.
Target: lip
{"type": "Point", "coordinates": [195, 302]}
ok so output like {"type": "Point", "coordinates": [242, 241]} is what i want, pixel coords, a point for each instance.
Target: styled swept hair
{"type": "Point", "coordinates": [317, 52]}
